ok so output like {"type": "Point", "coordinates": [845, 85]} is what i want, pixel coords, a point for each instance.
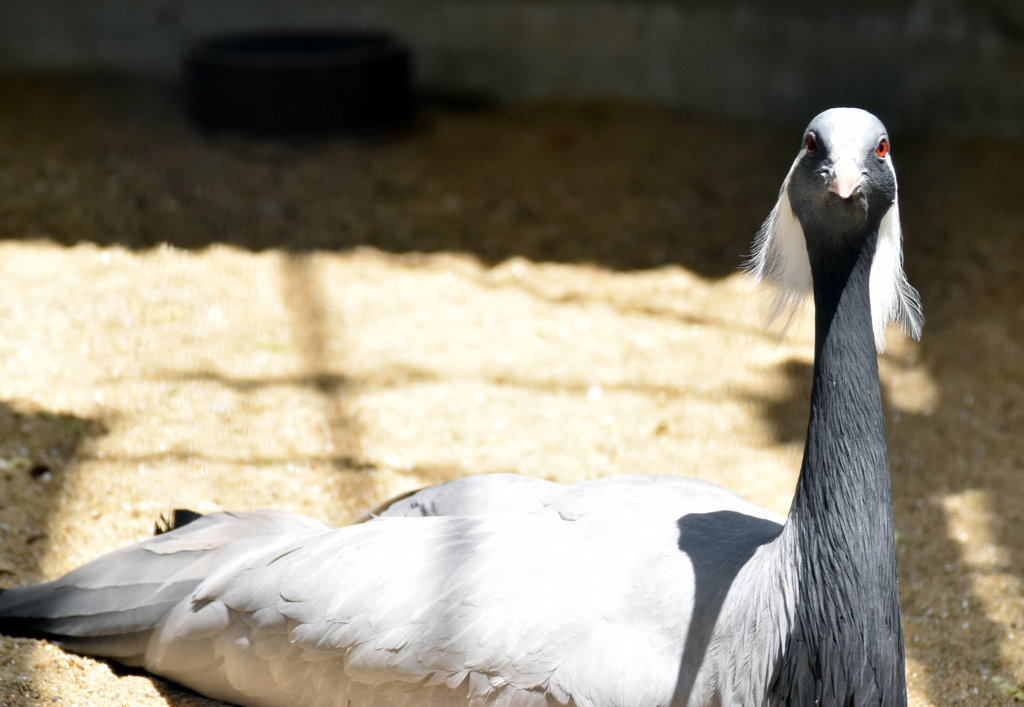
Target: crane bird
{"type": "Point", "coordinates": [508, 590]}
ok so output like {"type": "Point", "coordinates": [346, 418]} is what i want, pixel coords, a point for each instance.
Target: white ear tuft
{"type": "Point", "coordinates": [780, 256]}
{"type": "Point", "coordinates": [893, 298]}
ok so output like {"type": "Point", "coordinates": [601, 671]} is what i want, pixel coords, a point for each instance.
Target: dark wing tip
{"type": "Point", "coordinates": [180, 517]}
{"type": "Point", "coordinates": [15, 620]}
{"type": "Point", "coordinates": [24, 627]}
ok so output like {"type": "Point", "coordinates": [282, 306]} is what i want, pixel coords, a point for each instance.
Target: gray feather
{"type": "Point", "coordinates": [110, 607]}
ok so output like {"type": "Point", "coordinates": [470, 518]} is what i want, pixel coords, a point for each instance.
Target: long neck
{"type": "Point", "coordinates": [846, 643]}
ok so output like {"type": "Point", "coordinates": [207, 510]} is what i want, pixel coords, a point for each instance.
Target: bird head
{"type": "Point", "coordinates": [843, 177]}
{"type": "Point", "coordinates": [842, 183]}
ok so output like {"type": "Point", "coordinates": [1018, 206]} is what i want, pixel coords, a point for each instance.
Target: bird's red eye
{"type": "Point", "coordinates": [883, 148]}
{"type": "Point", "coordinates": [811, 144]}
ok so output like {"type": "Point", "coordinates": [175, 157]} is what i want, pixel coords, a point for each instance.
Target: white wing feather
{"type": "Point", "coordinates": [454, 609]}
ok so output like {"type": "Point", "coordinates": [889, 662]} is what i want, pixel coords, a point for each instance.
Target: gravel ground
{"type": "Point", "coordinates": [216, 322]}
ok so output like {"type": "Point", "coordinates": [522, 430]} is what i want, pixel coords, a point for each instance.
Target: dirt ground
{"type": "Point", "coordinates": [216, 322]}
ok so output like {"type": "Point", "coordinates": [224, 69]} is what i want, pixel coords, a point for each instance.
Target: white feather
{"type": "Point", "coordinates": [893, 298]}
{"type": "Point", "coordinates": [780, 257]}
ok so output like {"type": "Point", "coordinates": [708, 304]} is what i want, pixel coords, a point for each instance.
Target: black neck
{"type": "Point", "coordinates": [846, 643]}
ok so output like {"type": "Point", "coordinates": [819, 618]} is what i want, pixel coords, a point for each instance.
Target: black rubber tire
{"type": "Point", "coordinates": [298, 81]}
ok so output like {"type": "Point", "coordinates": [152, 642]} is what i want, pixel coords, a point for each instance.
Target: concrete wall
{"type": "Point", "coordinates": [952, 64]}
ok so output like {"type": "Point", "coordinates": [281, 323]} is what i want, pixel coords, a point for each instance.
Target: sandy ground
{"type": "Point", "coordinates": [550, 290]}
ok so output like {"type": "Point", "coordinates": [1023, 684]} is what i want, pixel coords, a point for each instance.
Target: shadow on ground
{"type": "Point", "coordinates": [113, 161]}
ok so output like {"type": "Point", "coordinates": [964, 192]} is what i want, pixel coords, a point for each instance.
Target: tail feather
{"type": "Point", "coordinates": [75, 619]}
{"type": "Point", "coordinates": [110, 606]}
{"type": "Point", "coordinates": [62, 600]}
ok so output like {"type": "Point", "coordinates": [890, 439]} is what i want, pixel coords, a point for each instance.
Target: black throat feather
{"type": "Point", "coordinates": [846, 642]}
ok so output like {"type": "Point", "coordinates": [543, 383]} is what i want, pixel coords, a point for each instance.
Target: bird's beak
{"type": "Point", "coordinates": [845, 178]}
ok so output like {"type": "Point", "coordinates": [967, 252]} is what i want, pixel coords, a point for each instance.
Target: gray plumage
{"type": "Point", "coordinates": [506, 590]}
